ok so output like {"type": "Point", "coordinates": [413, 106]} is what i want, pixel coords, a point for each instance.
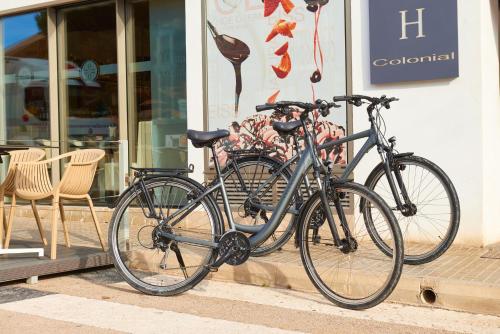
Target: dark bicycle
{"type": "Point", "coordinates": [164, 212]}
{"type": "Point", "coordinates": [417, 190]}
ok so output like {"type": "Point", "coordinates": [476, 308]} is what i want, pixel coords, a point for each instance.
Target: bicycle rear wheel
{"type": "Point", "coordinates": [154, 264]}
{"type": "Point", "coordinates": [361, 276]}
{"type": "Point", "coordinates": [431, 229]}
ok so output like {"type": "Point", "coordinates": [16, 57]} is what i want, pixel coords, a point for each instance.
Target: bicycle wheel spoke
{"type": "Point", "coordinates": [360, 272]}
{"type": "Point", "coordinates": [151, 269]}
{"type": "Point", "coordinates": [430, 228]}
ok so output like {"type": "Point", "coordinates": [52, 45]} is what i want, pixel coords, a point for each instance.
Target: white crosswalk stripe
{"type": "Point", "coordinates": [128, 318]}
{"type": "Point", "coordinates": [166, 315]}
{"type": "Point", "coordinates": [389, 313]}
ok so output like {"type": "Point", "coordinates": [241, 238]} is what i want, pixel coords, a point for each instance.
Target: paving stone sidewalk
{"type": "Point", "coordinates": [464, 278]}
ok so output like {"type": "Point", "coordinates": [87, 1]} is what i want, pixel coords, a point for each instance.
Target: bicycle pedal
{"type": "Point", "coordinates": [213, 269]}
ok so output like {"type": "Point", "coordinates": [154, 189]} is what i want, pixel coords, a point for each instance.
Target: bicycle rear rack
{"type": "Point", "coordinates": [250, 151]}
{"type": "Point", "coordinates": [141, 172]}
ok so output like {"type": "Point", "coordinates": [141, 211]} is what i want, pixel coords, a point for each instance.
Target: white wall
{"type": "Point", "coordinates": [491, 120]}
{"type": "Point", "coordinates": [454, 123]}
{"type": "Point", "coordinates": [194, 78]}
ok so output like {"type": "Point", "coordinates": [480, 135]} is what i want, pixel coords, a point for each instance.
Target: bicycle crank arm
{"type": "Point", "coordinates": [220, 261]}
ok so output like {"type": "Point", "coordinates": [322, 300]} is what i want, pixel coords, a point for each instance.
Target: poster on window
{"type": "Point", "coordinates": [262, 51]}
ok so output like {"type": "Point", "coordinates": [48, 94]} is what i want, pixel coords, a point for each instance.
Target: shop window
{"type": "Point", "coordinates": [24, 80]}
{"type": "Point", "coordinates": [156, 65]}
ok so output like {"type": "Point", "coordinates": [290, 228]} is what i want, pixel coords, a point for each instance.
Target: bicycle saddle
{"type": "Point", "coordinates": [287, 128]}
{"type": "Point", "coordinates": [205, 138]}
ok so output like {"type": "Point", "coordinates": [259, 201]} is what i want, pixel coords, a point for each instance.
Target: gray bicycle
{"type": "Point", "coordinates": [420, 193]}
{"type": "Point", "coordinates": [167, 232]}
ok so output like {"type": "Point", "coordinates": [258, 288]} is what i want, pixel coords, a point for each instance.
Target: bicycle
{"type": "Point", "coordinates": [164, 211]}
{"type": "Point", "coordinates": [400, 187]}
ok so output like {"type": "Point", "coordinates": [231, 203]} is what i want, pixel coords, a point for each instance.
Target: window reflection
{"type": "Point", "coordinates": [24, 104]}
{"type": "Point", "coordinates": [89, 88]}
{"type": "Point", "coordinates": [156, 54]}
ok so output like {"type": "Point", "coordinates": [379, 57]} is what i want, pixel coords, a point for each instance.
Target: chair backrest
{"type": "Point", "coordinates": [29, 155]}
{"type": "Point", "coordinates": [80, 172]}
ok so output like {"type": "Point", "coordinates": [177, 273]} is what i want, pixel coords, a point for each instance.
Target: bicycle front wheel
{"type": "Point", "coordinates": [361, 275]}
{"type": "Point", "coordinates": [152, 263]}
{"type": "Point", "coordinates": [431, 226]}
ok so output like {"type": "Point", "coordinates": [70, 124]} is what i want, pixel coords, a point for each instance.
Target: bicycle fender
{"type": "Point", "coordinates": [146, 178]}
{"type": "Point", "coordinates": [403, 155]}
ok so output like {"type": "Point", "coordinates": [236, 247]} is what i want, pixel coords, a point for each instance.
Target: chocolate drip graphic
{"type": "Point", "coordinates": [236, 52]}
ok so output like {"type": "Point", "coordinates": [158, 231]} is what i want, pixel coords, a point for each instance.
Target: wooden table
{"type": "Point", "coordinates": [4, 150]}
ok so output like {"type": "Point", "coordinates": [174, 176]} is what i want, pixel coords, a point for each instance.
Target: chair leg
{"type": "Point", "coordinates": [96, 223]}
{"type": "Point", "coordinates": [53, 223]}
{"type": "Point", "coordinates": [10, 221]}
{"type": "Point", "coordinates": [65, 227]}
{"type": "Point", "coordinates": [4, 217]}
{"type": "Point", "coordinates": [38, 223]}
{"type": "Point", "coordinates": [3, 224]}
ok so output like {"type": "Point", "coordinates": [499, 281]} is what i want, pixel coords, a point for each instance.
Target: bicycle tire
{"type": "Point", "coordinates": [113, 239]}
{"type": "Point", "coordinates": [375, 178]}
{"type": "Point", "coordinates": [313, 273]}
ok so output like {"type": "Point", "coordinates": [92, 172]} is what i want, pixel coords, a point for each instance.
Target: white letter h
{"type": "Point", "coordinates": [419, 22]}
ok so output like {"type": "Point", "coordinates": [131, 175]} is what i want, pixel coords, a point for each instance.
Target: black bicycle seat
{"type": "Point", "coordinates": [206, 138]}
{"type": "Point", "coordinates": [287, 128]}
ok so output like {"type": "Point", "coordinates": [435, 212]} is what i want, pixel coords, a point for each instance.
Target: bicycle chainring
{"type": "Point", "coordinates": [235, 246]}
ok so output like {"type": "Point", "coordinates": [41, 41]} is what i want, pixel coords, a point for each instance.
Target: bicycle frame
{"type": "Point", "coordinates": [308, 159]}
{"type": "Point", "coordinates": [371, 142]}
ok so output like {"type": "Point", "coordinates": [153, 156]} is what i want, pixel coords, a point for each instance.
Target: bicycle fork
{"type": "Point", "coordinates": [405, 205]}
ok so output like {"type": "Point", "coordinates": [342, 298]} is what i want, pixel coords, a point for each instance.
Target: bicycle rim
{"type": "Point", "coordinates": [168, 267]}
{"type": "Point", "coordinates": [431, 230]}
{"type": "Point", "coordinates": [363, 277]}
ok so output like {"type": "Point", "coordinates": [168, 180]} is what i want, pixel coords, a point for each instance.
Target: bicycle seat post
{"type": "Point", "coordinates": [227, 207]}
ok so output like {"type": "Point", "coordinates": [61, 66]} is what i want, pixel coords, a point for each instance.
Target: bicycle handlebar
{"type": "Point", "coordinates": [357, 100]}
{"type": "Point", "coordinates": [285, 106]}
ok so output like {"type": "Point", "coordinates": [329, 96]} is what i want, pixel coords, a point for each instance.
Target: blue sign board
{"type": "Point", "coordinates": [413, 40]}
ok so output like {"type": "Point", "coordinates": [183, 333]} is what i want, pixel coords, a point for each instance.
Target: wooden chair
{"type": "Point", "coordinates": [7, 186]}
{"type": "Point", "coordinates": [32, 182]}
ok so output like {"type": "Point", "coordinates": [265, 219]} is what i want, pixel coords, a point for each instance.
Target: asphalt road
{"type": "Point", "coordinates": [100, 302]}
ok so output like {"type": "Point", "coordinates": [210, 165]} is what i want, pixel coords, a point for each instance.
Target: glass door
{"type": "Point", "coordinates": [88, 96]}
{"type": "Point", "coordinates": [156, 65]}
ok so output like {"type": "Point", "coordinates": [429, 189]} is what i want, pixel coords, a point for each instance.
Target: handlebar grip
{"type": "Point", "coordinates": [264, 107]}
{"type": "Point", "coordinates": [340, 98]}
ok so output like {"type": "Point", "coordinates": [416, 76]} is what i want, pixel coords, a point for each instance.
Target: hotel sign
{"type": "Point", "coordinates": [413, 40]}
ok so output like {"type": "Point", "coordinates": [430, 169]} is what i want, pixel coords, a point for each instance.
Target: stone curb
{"type": "Point", "coordinates": [449, 294]}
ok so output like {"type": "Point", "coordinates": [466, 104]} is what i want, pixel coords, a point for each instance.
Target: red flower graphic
{"type": "Point", "coordinates": [273, 97]}
{"type": "Point", "coordinates": [282, 27]}
{"type": "Point", "coordinates": [284, 67]}
{"type": "Point", "coordinates": [271, 5]}
{"type": "Point", "coordinates": [257, 132]}
{"type": "Point", "coordinates": [282, 50]}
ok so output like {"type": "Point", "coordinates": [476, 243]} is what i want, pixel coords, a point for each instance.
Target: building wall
{"type": "Point", "coordinates": [454, 123]}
